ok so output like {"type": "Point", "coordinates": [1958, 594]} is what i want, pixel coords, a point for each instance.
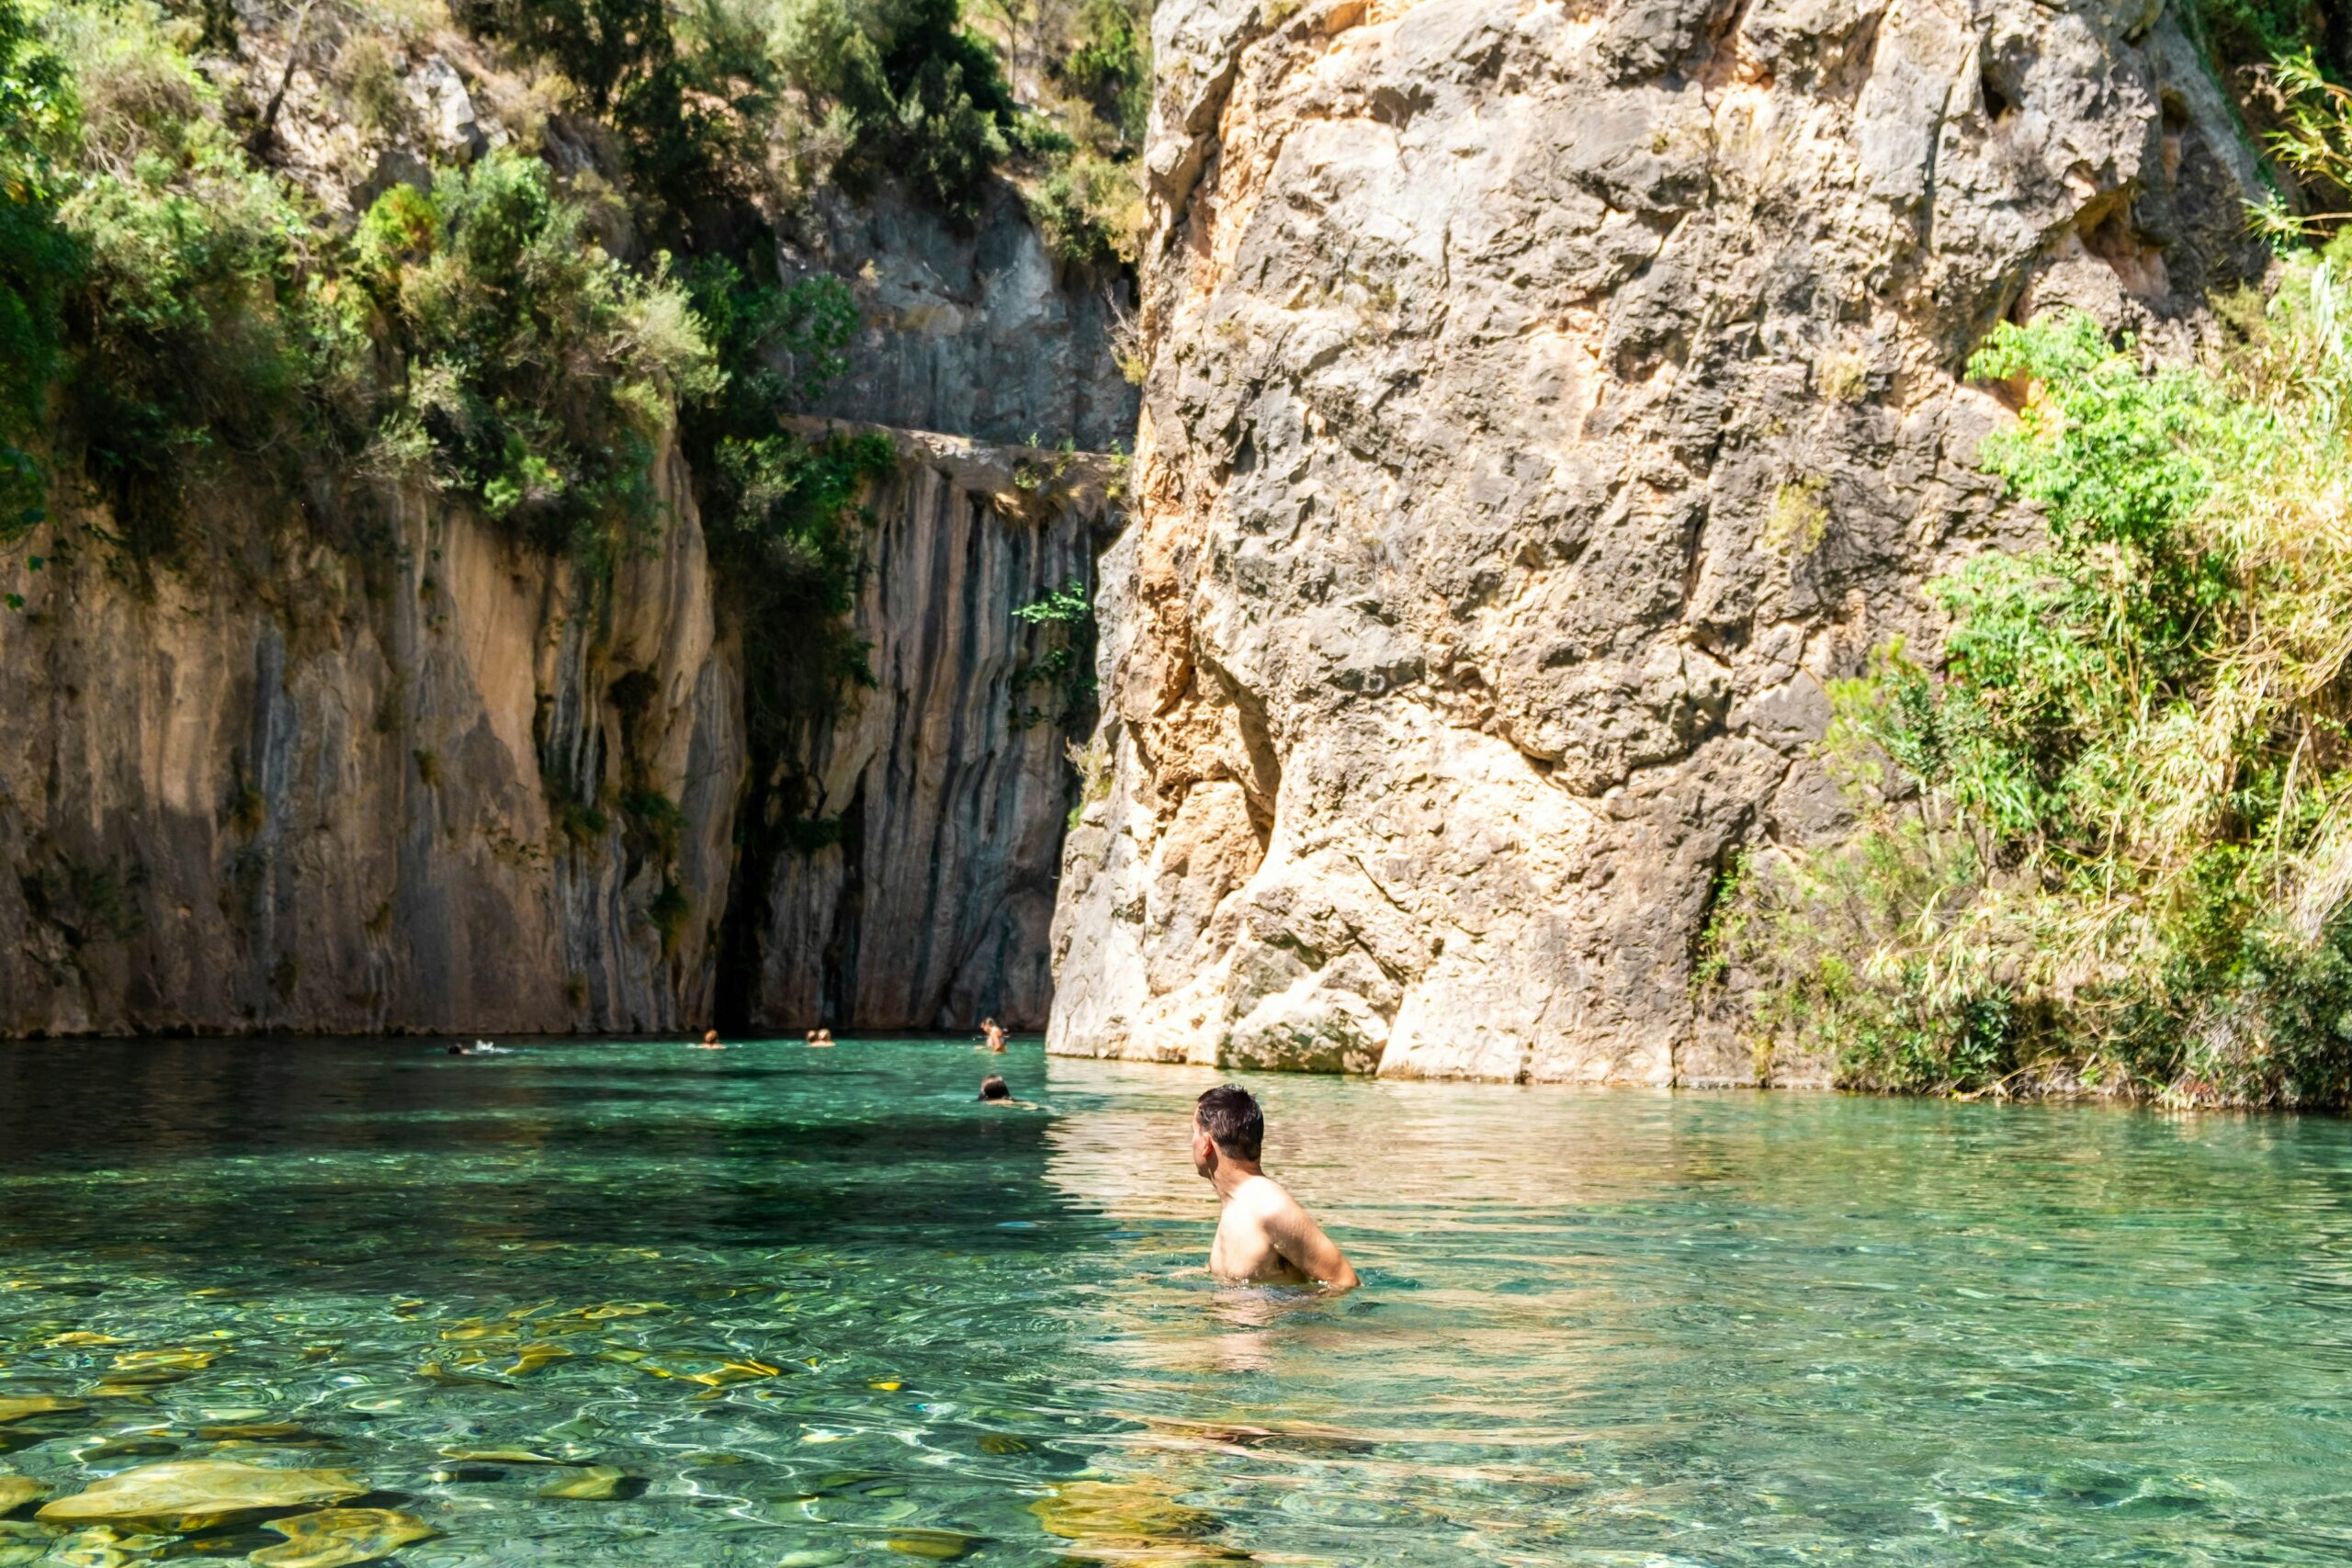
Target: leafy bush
{"type": "Point", "coordinates": [1064, 665]}
{"type": "Point", "coordinates": [38, 258]}
{"type": "Point", "coordinates": [544, 374]}
{"type": "Point", "coordinates": [1107, 65]}
{"type": "Point", "coordinates": [623, 55]}
{"type": "Point", "coordinates": [2114, 836]}
{"type": "Point", "coordinates": [199, 338]}
{"type": "Point", "coordinates": [1091, 209]}
{"type": "Point", "coordinates": [917, 95]}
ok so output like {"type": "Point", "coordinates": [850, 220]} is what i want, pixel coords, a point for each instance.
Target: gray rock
{"type": "Point", "coordinates": [321, 790]}
{"type": "Point", "coordinates": [981, 334]}
{"type": "Point", "coordinates": [933, 911]}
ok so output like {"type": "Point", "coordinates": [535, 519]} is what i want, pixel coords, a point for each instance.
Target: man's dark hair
{"type": "Point", "coordinates": [995, 1088]}
{"type": "Point", "coordinates": [1233, 1121]}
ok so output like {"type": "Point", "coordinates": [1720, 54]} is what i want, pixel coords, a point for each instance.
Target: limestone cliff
{"type": "Point", "coordinates": [431, 778]}
{"type": "Point", "coordinates": [948, 778]}
{"type": "Point", "coordinates": [1545, 400]}
{"type": "Point", "coordinates": [316, 789]}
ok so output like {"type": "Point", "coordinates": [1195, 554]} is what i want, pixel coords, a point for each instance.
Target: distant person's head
{"type": "Point", "coordinates": [988, 1023]}
{"type": "Point", "coordinates": [711, 1037]}
{"type": "Point", "coordinates": [995, 1088]}
{"type": "Point", "coordinates": [1227, 1123]}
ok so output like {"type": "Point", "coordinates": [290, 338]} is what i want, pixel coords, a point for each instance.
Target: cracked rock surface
{"type": "Point", "coordinates": [1544, 404]}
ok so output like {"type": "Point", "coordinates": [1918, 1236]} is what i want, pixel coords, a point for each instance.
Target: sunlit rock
{"type": "Point", "coordinates": [336, 1538]}
{"type": "Point", "coordinates": [191, 1495]}
{"type": "Point", "coordinates": [932, 1546]}
{"type": "Point", "coordinates": [1126, 1518]}
{"type": "Point", "coordinates": [18, 1409]}
{"type": "Point", "coordinates": [598, 1483]}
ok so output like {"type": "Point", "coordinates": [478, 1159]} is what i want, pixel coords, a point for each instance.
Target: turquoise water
{"type": "Point", "coordinates": [1600, 1328]}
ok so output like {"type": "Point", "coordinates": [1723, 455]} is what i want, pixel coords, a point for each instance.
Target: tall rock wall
{"type": "Point", "coordinates": [427, 778]}
{"type": "Point", "coordinates": [1544, 402]}
{"type": "Point", "coordinates": [932, 908]}
{"type": "Point", "coordinates": [317, 789]}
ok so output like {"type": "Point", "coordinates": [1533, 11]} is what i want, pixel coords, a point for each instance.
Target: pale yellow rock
{"type": "Point", "coordinates": [1120, 1513]}
{"type": "Point", "coordinates": [337, 1538]}
{"type": "Point", "coordinates": [932, 1546]}
{"type": "Point", "coordinates": [35, 1405]}
{"type": "Point", "coordinates": [15, 1491]}
{"type": "Point", "coordinates": [598, 1483]}
{"type": "Point", "coordinates": [498, 1455]}
{"type": "Point", "coordinates": [181, 1496]}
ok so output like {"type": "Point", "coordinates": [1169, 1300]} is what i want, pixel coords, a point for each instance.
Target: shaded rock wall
{"type": "Point", "coordinates": [424, 781]}
{"type": "Point", "coordinates": [316, 790]}
{"type": "Point", "coordinates": [1545, 403]}
{"type": "Point", "coordinates": [983, 334]}
{"type": "Point", "coordinates": [933, 909]}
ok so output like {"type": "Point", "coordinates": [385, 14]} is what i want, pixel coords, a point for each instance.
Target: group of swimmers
{"type": "Point", "coordinates": [1264, 1235]}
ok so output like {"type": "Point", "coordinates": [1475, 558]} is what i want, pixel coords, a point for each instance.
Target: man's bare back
{"type": "Point", "coordinates": [1264, 1237]}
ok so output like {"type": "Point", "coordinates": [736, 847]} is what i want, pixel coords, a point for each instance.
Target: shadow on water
{"type": "Point", "coordinates": [216, 1152]}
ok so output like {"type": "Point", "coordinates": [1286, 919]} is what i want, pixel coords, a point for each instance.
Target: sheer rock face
{"type": "Point", "coordinates": [979, 332]}
{"type": "Point", "coordinates": [314, 789]}
{"type": "Point", "coordinates": [410, 784]}
{"type": "Point", "coordinates": [931, 911]}
{"type": "Point", "coordinates": [1545, 402]}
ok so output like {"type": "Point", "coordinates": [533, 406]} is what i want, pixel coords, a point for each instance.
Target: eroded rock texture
{"type": "Point", "coordinates": [980, 332]}
{"type": "Point", "coordinates": [1546, 402]}
{"type": "Point", "coordinates": [382, 783]}
{"type": "Point", "coordinates": [438, 779]}
{"type": "Point", "coordinates": [948, 778]}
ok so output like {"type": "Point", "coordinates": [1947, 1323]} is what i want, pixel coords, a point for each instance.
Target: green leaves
{"type": "Point", "coordinates": [2115, 832]}
{"type": "Point", "coordinates": [38, 259]}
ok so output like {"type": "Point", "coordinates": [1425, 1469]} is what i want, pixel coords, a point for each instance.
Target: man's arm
{"type": "Point", "coordinates": [1298, 1238]}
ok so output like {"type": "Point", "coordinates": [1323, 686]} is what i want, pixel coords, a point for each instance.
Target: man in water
{"type": "Point", "coordinates": [710, 1041]}
{"type": "Point", "coordinates": [993, 1035]}
{"type": "Point", "coordinates": [994, 1090]}
{"type": "Point", "coordinates": [1263, 1237]}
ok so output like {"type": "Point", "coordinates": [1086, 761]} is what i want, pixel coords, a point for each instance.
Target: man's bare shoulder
{"type": "Point", "coordinates": [1263, 1197]}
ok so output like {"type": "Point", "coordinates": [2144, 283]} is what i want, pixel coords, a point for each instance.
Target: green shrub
{"type": "Point", "coordinates": [1089, 209]}
{"type": "Point", "coordinates": [2110, 837]}
{"type": "Point", "coordinates": [1063, 663]}
{"type": "Point", "coordinates": [656, 819]}
{"type": "Point", "coordinates": [668, 909]}
{"type": "Point", "coordinates": [1106, 64]}
{"type": "Point", "coordinates": [682, 131]}
{"type": "Point", "coordinates": [916, 95]}
{"type": "Point", "coordinates": [545, 374]}
{"type": "Point", "coordinates": [38, 260]}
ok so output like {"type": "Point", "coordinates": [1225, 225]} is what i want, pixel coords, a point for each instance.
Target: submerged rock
{"type": "Point", "coordinates": [285, 1432]}
{"type": "Point", "coordinates": [19, 1408]}
{"type": "Point", "coordinates": [22, 1541]}
{"type": "Point", "coordinates": [934, 1546]}
{"type": "Point", "coordinates": [15, 1491]}
{"type": "Point", "coordinates": [192, 1495]}
{"type": "Point", "coordinates": [336, 1538]}
{"type": "Point", "coordinates": [598, 1483]}
{"type": "Point", "coordinates": [1120, 1515]}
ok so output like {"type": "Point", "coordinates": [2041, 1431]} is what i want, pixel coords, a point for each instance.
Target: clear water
{"type": "Point", "coordinates": [1601, 1327]}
